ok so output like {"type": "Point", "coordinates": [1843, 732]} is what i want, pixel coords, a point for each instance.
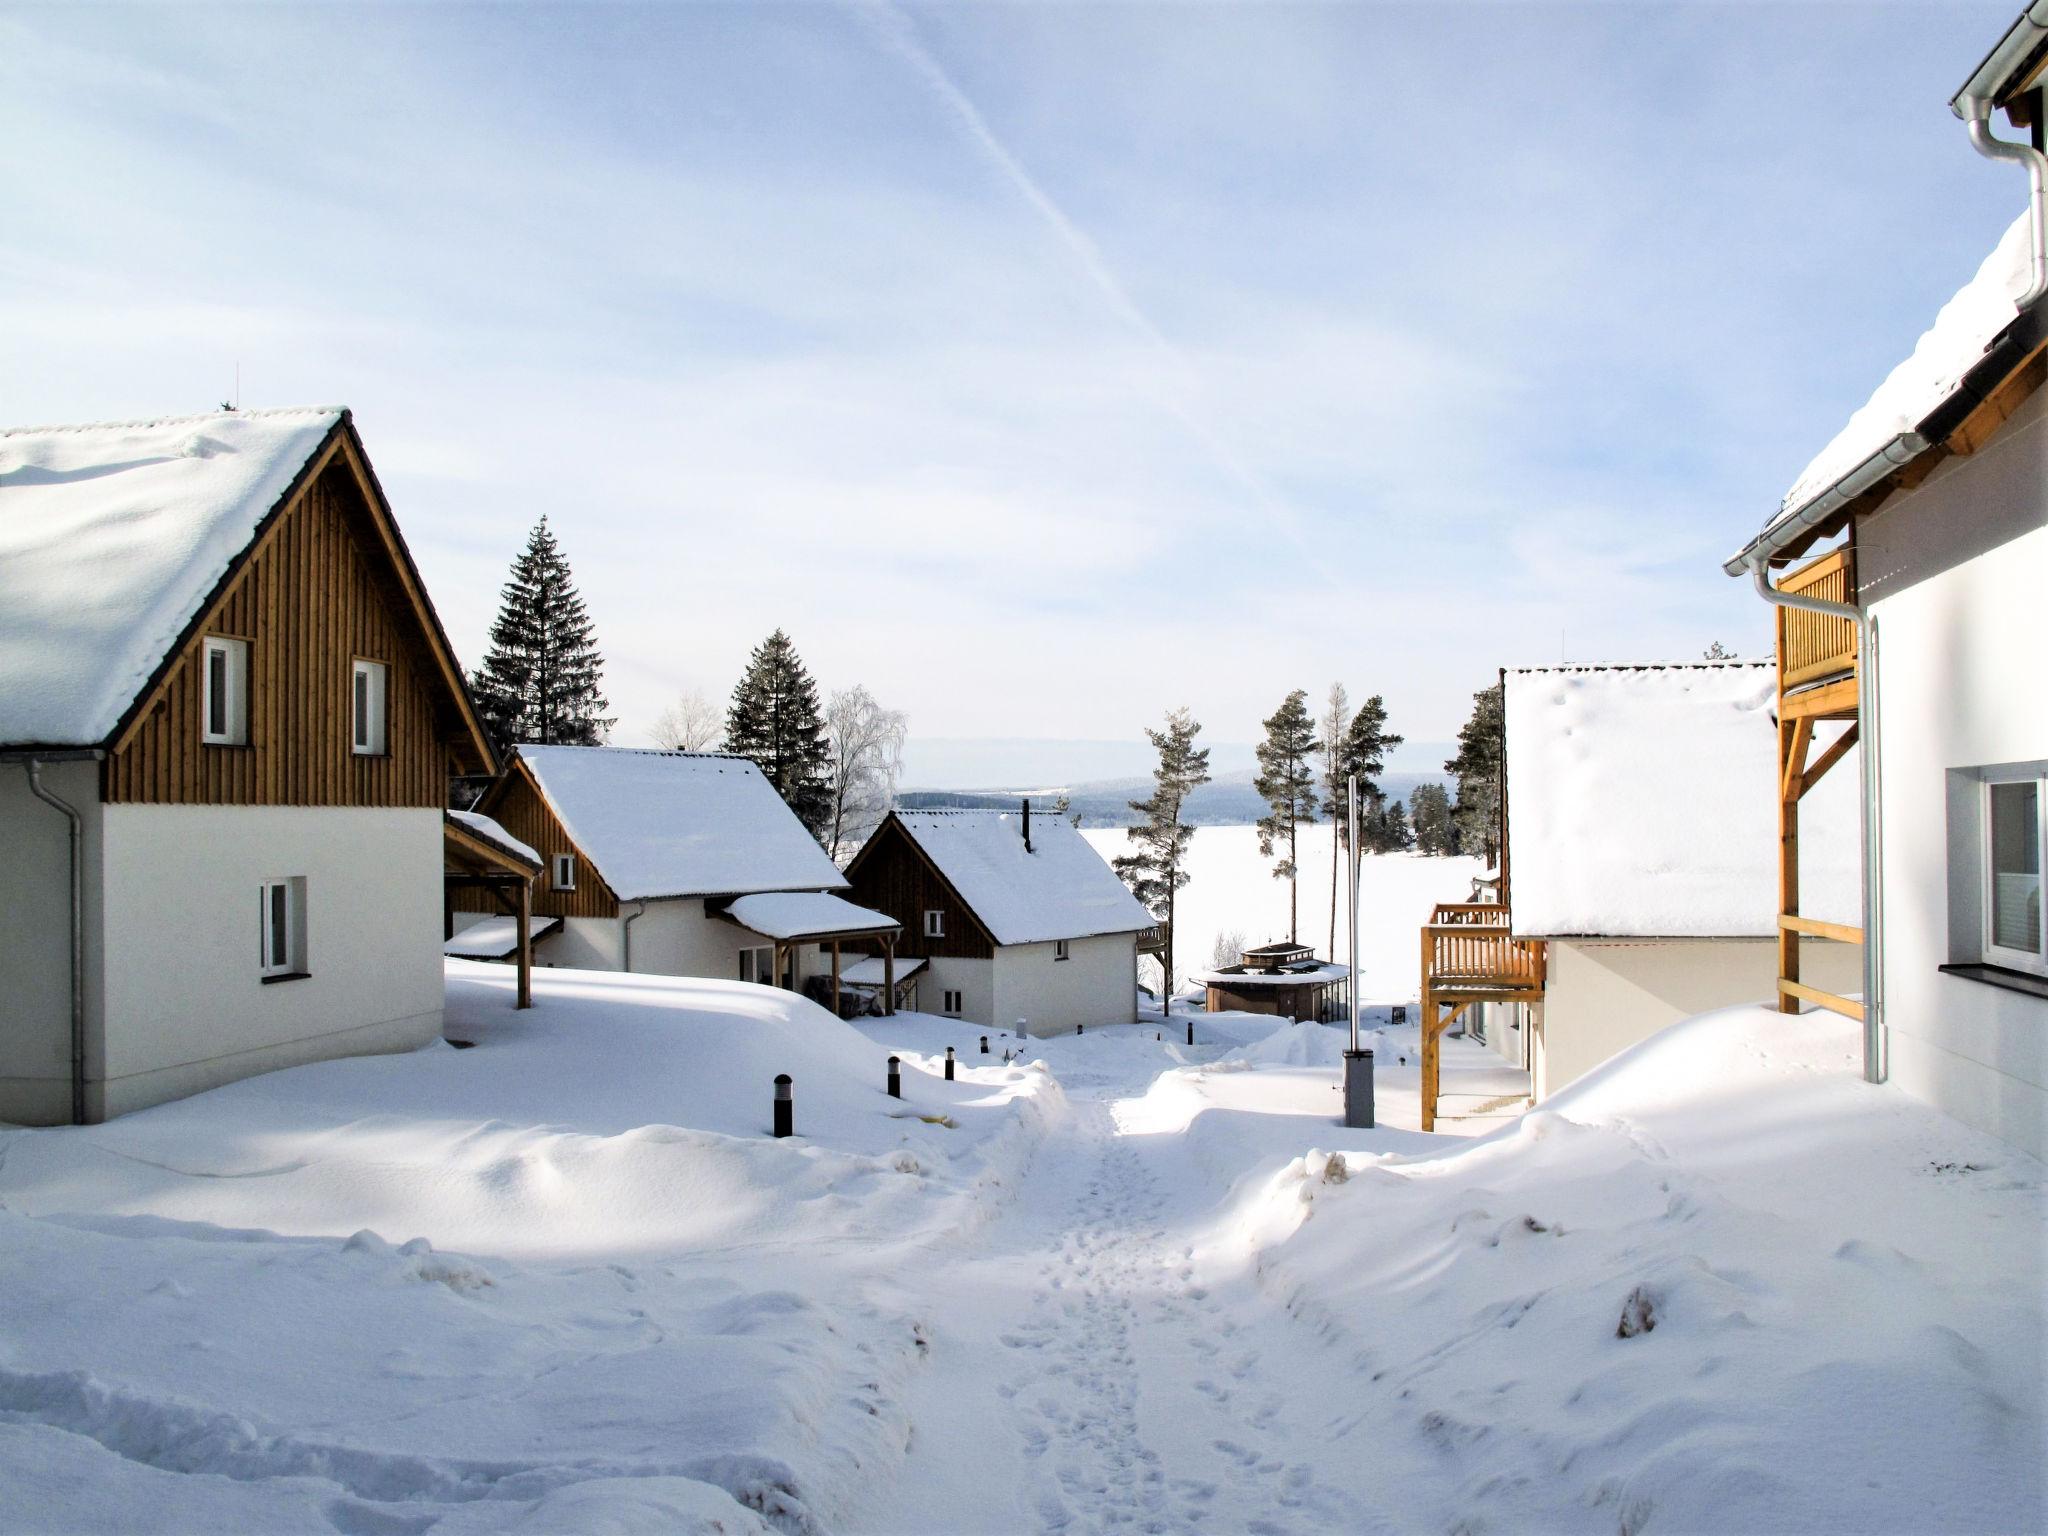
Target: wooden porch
{"type": "Point", "coordinates": [1470, 955]}
{"type": "Point", "coordinates": [1817, 682]}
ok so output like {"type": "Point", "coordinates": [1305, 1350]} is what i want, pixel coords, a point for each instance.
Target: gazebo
{"type": "Point", "coordinates": [792, 918]}
{"type": "Point", "coordinates": [1286, 980]}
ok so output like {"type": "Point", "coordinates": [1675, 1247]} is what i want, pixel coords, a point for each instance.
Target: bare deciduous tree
{"type": "Point", "coordinates": [1228, 948]}
{"type": "Point", "coordinates": [867, 760]}
{"type": "Point", "coordinates": [691, 724]}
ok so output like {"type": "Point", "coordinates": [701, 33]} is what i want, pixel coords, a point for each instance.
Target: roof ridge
{"type": "Point", "coordinates": [177, 421]}
{"type": "Point", "coordinates": [578, 746]}
{"type": "Point", "coordinates": [1721, 664]}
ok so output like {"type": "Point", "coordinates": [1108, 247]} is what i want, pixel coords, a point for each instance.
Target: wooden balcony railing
{"type": "Point", "coordinates": [1468, 945]}
{"type": "Point", "coordinates": [1812, 646]}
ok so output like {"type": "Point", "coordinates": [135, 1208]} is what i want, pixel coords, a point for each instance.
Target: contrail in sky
{"type": "Point", "coordinates": [900, 35]}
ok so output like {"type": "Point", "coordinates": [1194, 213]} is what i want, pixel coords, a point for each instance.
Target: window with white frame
{"type": "Point", "coordinates": [934, 924]}
{"type": "Point", "coordinates": [952, 1002]}
{"type": "Point", "coordinates": [281, 941]}
{"type": "Point", "coordinates": [565, 871]}
{"type": "Point", "coordinates": [224, 691]}
{"type": "Point", "coordinates": [758, 965]}
{"type": "Point", "coordinates": [2014, 854]}
{"type": "Point", "coordinates": [1059, 949]}
{"type": "Point", "coordinates": [370, 692]}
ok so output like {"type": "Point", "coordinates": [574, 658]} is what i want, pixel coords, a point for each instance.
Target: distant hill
{"type": "Point", "coordinates": [1227, 801]}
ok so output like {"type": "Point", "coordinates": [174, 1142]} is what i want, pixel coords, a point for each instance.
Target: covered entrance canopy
{"type": "Point", "coordinates": [790, 918]}
{"type": "Point", "coordinates": [478, 854]}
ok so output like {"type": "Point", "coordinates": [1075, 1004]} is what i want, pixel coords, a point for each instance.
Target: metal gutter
{"type": "Point", "coordinates": [2010, 60]}
{"type": "Point", "coordinates": [71, 814]}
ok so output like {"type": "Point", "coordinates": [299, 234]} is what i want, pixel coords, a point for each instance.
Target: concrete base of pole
{"type": "Point", "coordinates": [1358, 1107]}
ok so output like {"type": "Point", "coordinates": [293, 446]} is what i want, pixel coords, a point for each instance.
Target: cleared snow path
{"type": "Point", "coordinates": [1085, 1378]}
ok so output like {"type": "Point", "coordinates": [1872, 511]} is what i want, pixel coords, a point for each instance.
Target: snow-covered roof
{"type": "Point", "coordinates": [679, 823]}
{"type": "Point", "coordinates": [869, 972]}
{"type": "Point", "coordinates": [495, 938]}
{"type": "Point", "coordinates": [1061, 889]}
{"type": "Point", "coordinates": [112, 538]}
{"type": "Point", "coordinates": [1321, 972]}
{"type": "Point", "coordinates": [805, 915]}
{"type": "Point", "coordinates": [491, 832]}
{"type": "Point", "coordinates": [1642, 802]}
{"type": "Point", "coordinates": [1956, 341]}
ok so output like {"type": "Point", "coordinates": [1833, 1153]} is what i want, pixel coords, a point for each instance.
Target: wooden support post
{"type": "Point", "coordinates": [1793, 737]}
{"type": "Point", "coordinates": [1426, 1068]}
{"type": "Point", "coordinates": [835, 977]}
{"type": "Point", "coordinates": [447, 911]}
{"type": "Point", "coordinates": [889, 977]}
{"type": "Point", "coordinates": [525, 921]}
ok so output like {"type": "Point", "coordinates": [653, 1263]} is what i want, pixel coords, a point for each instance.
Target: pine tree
{"type": "Point", "coordinates": [1390, 831]}
{"type": "Point", "coordinates": [1287, 783]}
{"type": "Point", "coordinates": [1432, 816]}
{"type": "Point", "coordinates": [1475, 819]}
{"type": "Point", "coordinates": [1336, 717]}
{"type": "Point", "coordinates": [775, 720]}
{"type": "Point", "coordinates": [1363, 752]}
{"type": "Point", "coordinates": [1158, 867]}
{"type": "Point", "coordinates": [541, 677]}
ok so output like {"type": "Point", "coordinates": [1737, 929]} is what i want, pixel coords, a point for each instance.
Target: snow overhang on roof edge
{"type": "Point", "coordinates": [2001, 357]}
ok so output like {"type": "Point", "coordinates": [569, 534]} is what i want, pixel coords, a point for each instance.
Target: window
{"type": "Point", "coordinates": [371, 692]}
{"type": "Point", "coordinates": [935, 928]}
{"type": "Point", "coordinates": [758, 965]}
{"type": "Point", "coordinates": [224, 689]}
{"type": "Point", "coordinates": [2013, 857]}
{"type": "Point", "coordinates": [952, 1002]}
{"type": "Point", "coordinates": [565, 871]}
{"type": "Point", "coordinates": [281, 941]}
{"type": "Point", "coordinates": [1059, 949]}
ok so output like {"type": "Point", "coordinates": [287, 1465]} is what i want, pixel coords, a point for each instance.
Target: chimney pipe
{"type": "Point", "coordinates": [1027, 824]}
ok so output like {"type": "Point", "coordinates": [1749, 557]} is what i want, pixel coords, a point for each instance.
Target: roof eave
{"type": "Point", "coordinates": [2012, 61]}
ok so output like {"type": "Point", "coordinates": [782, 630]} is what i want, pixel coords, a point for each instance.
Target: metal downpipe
{"type": "Point", "coordinates": [71, 814]}
{"type": "Point", "coordinates": [1978, 118]}
{"type": "Point", "coordinates": [1875, 1066]}
{"type": "Point", "coordinates": [626, 936]}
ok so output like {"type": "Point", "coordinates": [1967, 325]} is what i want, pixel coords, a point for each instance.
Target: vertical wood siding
{"type": "Point", "coordinates": [518, 807]}
{"type": "Point", "coordinates": [892, 875]}
{"type": "Point", "coordinates": [309, 602]}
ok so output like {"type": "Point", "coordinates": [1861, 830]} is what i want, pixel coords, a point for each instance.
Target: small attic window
{"type": "Point", "coordinates": [369, 695]}
{"type": "Point", "coordinates": [224, 691]}
{"type": "Point", "coordinates": [565, 871]}
{"type": "Point", "coordinates": [934, 924]}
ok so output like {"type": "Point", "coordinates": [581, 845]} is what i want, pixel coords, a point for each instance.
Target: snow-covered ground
{"type": "Point", "coordinates": [1232, 890]}
{"type": "Point", "coordinates": [1720, 1285]}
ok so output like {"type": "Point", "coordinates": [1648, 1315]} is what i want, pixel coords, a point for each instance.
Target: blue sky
{"type": "Point", "coordinates": [1039, 366]}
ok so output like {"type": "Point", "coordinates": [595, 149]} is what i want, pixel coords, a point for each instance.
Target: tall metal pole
{"type": "Point", "coordinates": [1358, 1105]}
{"type": "Point", "coordinates": [1351, 953]}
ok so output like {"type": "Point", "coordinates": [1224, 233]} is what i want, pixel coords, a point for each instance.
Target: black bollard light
{"type": "Point", "coordinates": [1077, 1029]}
{"type": "Point", "coordinates": [949, 1063]}
{"type": "Point", "coordinates": [984, 1045]}
{"type": "Point", "coordinates": [895, 1077]}
{"type": "Point", "coordinates": [1191, 1031]}
{"type": "Point", "coordinates": [785, 1108]}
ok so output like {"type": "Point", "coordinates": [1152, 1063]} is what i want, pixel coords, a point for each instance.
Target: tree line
{"type": "Point", "coordinates": [836, 763]}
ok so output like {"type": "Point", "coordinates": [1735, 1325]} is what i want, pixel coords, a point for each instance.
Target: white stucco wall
{"type": "Point", "coordinates": [974, 980]}
{"type": "Point", "coordinates": [1956, 575]}
{"type": "Point", "coordinates": [35, 940]}
{"type": "Point", "coordinates": [1603, 996]}
{"type": "Point", "coordinates": [582, 944]}
{"type": "Point", "coordinates": [1095, 984]}
{"type": "Point", "coordinates": [185, 1005]}
{"type": "Point", "coordinates": [673, 937]}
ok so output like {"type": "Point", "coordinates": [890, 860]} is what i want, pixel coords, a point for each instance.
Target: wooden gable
{"type": "Point", "coordinates": [892, 874]}
{"type": "Point", "coordinates": [325, 582]}
{"type": "Point", "coordinates": [516, 803]}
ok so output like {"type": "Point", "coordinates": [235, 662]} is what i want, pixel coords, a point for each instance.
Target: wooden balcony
{"type": "Point", "coordinates": [1470, 955]}
{"type": "Point", "coordinates": [1816, 651]}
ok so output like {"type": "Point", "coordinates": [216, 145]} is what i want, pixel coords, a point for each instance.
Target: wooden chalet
{"type": "Point", "coordinates": [225, 690]}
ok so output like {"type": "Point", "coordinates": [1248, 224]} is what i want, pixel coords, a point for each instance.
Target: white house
{"type": "Point", "coordinates": [675, 864]}
{"type": "Point", "coordinates": [1641, 852]}
{"type": "Point", "coordinates": [1925, 623]}
{"type": "Point", "coordinates": [228, 719]}
{"type": "Point", "coordinates": [1015, 915]}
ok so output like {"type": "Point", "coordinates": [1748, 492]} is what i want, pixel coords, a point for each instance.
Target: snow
{"type": "Point", "coordinates": [806, 915]}
{"type": "Point", "coordinates": [496, 938]}
{"type": "Point", "coordinates": [1642, 802]}
{"type": "Point", "coordinates": [491, 832]}
{"type": "Point", "coordinates": [565, 1281]}
{"type": "Point", "coordinates": [679, 823]}
{"type": "Point", "coordinates": [869, 972]}
{"type": "Point", "coordinates": [1232, 890]}
{"type": "Point", "coordinates": [112, 537]}
{"type": "Point", "coordinates": [1291, 978]}
{"type": "Point", "coordinates": [1061, 889]}
{"type": "Point", "coordinates": [1954, 344]}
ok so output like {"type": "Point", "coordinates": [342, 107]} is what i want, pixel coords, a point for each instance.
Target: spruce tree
{"type": "Point", "coordinates": [1432, 817]}
{"type": "Point", "coordinates": [1336, 716]}
{"type": "Point", "coordinates": [541, 677]}
{"type": "Point", "coordinates": [1475, 819]}
{"type": "Point", "coordinates": [1158, 867]}
{"type": "Point", "coordinates": [1390, 831]}
{"type": "Point", "coordinates": [775, 720]}
{"type": "Point", "coordinates": [1363, 752]}
{"type": "Point", "coordinates": [1287, 783]}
